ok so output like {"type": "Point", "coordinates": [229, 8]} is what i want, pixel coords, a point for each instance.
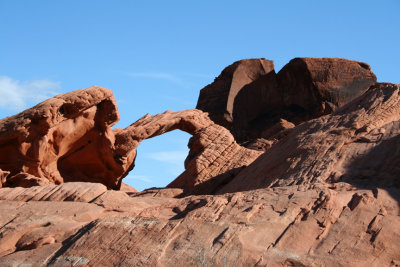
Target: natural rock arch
{"type": "Point", "coordinates": [69, 138]}
{"type": "Point", "coordinates": [214, 155]}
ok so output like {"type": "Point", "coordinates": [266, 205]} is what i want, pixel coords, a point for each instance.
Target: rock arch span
{"type": "Point", "coordinates": [214, 155]}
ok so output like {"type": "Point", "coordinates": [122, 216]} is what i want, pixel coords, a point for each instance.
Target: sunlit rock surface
{"type": "Point", "coordinates": [324, 192]}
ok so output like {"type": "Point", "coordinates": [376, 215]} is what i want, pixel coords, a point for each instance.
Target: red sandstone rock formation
{"type": "Point", "coordinates": [326, 194]}
{"type": "Point", "coordinates": [316, 225]}
{"type": "Point", "coordinates": [214, 157]}
{"type": "Point", "coordinates": [218, 98]}
{"type": "Point", "coordinates": [358, 143]}
{"type": "Point", "coordinates": [46, 144]}
{"type": "Point", "coordinates": [318, 86]}
{"type": "Point", "coordinates": [3, 177]}
{"type": "Point", "coordinates": [252, 98]}
{"type": "Point", "coordinates": [69, 138]}
{"type": "Point", "coordinates": [50, 140]}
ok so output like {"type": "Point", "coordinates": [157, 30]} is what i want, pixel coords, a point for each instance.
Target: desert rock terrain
{"type": "Point", "coordinates": [295, 168]}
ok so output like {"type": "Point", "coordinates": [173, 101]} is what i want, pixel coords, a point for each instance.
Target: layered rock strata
{"type": "Point", "coordinates": [298, 225]}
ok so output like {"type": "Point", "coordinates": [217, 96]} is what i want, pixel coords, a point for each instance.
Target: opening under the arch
{"type": "Point", "coordinates": [159, 160]}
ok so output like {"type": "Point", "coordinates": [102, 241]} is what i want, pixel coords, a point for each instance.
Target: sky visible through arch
{"type": "Point", "coordinates": [157, 55]}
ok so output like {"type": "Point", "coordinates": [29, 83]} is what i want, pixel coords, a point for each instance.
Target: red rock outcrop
{"type": "Point", "coordinates": [298, 225]}
{"type": "Point", "coordinates": [326, 194]}
{"type": "Point", "coordinates": [46, 144]}
{"type": "Point", "coordinates": [317, 86]}
{"type": "Point", "coordinates": [304, 89]}
{"type": "Point", "coordinates": [3, 177]}
{"type": "Point", "coordinates": [218, 98]}
{"type": "Point", "coordinates": [214, 157]}
{"type": "Point", "coordinates": [50, 140]}
{"type": "Point", "coordinates": [358, 144]}
{"type": "Point", "coordinates": [69, 138]}
{"type": "Point", "coordinates": [36, 222]}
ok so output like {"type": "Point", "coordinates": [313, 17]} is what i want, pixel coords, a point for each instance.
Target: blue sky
{"type": "Point", "coordinates": [157, 55]}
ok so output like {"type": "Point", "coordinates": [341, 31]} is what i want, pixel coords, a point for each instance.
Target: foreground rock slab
{"type": "Point", "coordinates": [292, 225]}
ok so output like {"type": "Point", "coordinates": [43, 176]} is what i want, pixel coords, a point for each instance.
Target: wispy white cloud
{"type": "Point", "coordinates": [183, 79]}
{"type": "Point", "coordinates": [142, 178]}
{"type": "Point", "coordinates": [157, 75]}
{"type": "Point", "coordinates": [198, 75]}
{"type": "Point", "coordinates": [173, 157]}
{"type": "Point", "coordinates": [16, 95]}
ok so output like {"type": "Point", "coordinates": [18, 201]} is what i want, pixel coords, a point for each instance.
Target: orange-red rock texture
{"type": "Point", "coordinates": [298, 168]}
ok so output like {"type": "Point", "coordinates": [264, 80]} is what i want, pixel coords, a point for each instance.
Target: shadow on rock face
{"type": "Point", "coordinates": [359, 144]}
{"type": "Point", "coordinates": [304, 89]}
{"type": "Point", "coordinates": [377, 168]}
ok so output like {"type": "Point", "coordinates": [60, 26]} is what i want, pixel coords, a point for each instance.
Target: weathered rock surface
{"type": "Point", "coordinates": [330, 82]}
{"type": "Point", "coordinates": [317, 86]}
{"type": "Point", "coordinates": [324, 193]}
{"type": "Point", "coordinates": [127, 188]}
{"type": "Point", "coordinates": [69, 138]}
{"type": "Point", "coordinates": [358, 143]}
{"type": "Point", "coordinates": [74, 191]}
{"type": "Point", "coordinates": [214, 157]}
{"type": "Point", "coordinates": [304, 225]}
{"type": "Point", "coordinates": [3, 177]}
{"type": "Point", "coordinates": [46, 144]}
{"type": "Point", "coordinates": [218, 98]}
{"type": "Point", "coordinates": [50, 140]}
{"type": "Point", "coordinates": [249, 98]}
{"type": "Point", "coordinates": [39, 221]}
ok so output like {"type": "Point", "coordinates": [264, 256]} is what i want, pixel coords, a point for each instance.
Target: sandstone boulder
{"type": "Point", "coordinates": [304, 89]}
{"type": "Point", "coordinates": [218, 98]}
{"type": "Point", "coordinates": [317, 86]}
{"type": "Point", "coordinates": [127, 188]}
{"type": "Point", "coordinates": [3, 177]}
